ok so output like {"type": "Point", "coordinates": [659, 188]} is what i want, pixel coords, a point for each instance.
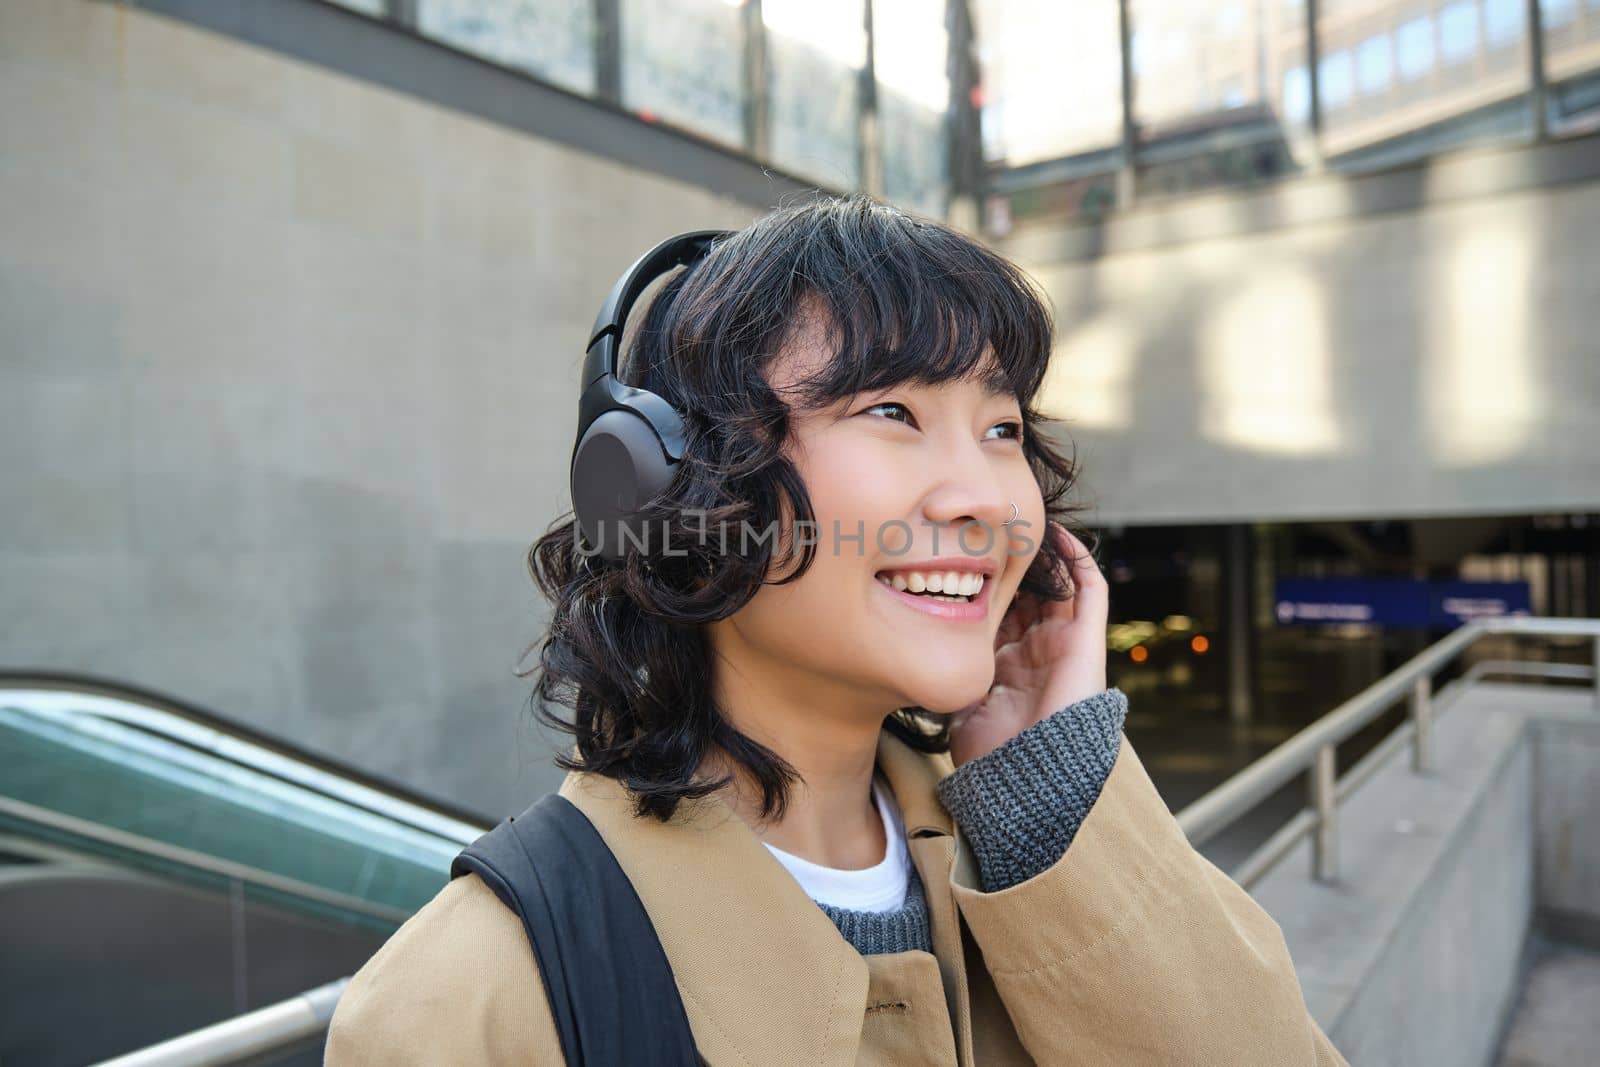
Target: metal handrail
{"type": "Point", "coordinates": [1311, 751]}
{"type": "Point", "coordinates": [1266, 855]}
{"type": "Point", "coordinates": [1574, 671]}
{"type": "Point", "coordinates": [200, 861]}
{"type": "Point", "coordinates": [151, 715]}
{"type": "Point", "coordinates": [121, 690]}
{"type": "Point", "coordinates": [275, 1027]}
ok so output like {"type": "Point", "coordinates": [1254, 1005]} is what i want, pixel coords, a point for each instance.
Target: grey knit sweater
{"type": "Point", "coordinates": [1018, 807]}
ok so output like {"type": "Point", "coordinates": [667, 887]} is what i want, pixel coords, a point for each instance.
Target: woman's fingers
{"type": "Point", "coordinates": [1090, 597]}
{"type": "Point", "coordinates": [1087, 600]}
{"type": "Point", "coordinates": [1065, 610]}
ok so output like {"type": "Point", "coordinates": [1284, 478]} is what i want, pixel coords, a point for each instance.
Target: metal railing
{"type": "Point", "coordinates": [1312, 750]}
{"type": "Point", "coordinates": [274, 1028]}
{"type": "Point", "coordinates": [277, 1027]}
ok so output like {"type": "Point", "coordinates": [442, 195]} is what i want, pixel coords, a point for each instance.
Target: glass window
{"type": "Point", "coordinates": [1418, 83]}
{"type": "Point", "coordinates": [1374, 65]}
{"type": "Point", "coordinates": [551, 39]}
{"type": "Point", "coordinates": [1297, 96]}
{"type": "Point", "coordinates": [1502, 22]}
{"type": "Point", "coordinates": [910, 51]}
{"type": "Point", "coordinates": [816, 50]}
{"type": "Point", "coordinates": [1572, 63]}
{"type": "Point", "coordinates": [683, 62]}
{"type": "Point", "coordinates": [1458, 31]}
{"type": "Point", "coordinates": [1052, 78]}
{"type": "Point", "coordinates": [1187, 56]}
{"type": "Point", "coordinates": [1557, 13]}
{"type": "Point", "coordinates": [1284, 51]}
{"type": "Point", "coordinates": [1415, 47]}
{"type": "Point", "coordinates": [1336, 74]}
{"type": "Point", "coordinates": [1208, 89]}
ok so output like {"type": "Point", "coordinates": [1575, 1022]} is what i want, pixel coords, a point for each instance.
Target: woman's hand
{"type": "Point", "coordinates": [1047, 654]}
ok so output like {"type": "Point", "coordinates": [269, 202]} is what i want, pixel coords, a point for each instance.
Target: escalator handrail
{"type": "Point", "coordinates": [216, 736]}
{"type": "Point", "coordinates": [31, 814]}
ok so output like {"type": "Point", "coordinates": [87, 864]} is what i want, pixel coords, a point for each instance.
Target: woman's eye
{"type": "Point", "coordinates": [891, 405]}
{"type": "Point", "coordinates": [1014, 429]}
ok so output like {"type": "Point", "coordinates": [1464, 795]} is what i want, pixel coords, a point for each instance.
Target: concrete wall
{"type": "Point", "coordinates": [1566, 753]}
{"type": "Point", "coordinates": [1431, 355]}
{"type": "Point", "coordinates": [287, 386]}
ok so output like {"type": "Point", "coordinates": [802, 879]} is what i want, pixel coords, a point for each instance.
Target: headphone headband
{"type": "Point", "coordinates": [629, 439]}
{"type": "Point", "coordinates": [606, 337]}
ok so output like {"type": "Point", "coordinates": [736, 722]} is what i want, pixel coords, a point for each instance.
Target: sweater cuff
{"type": "Point", "coordinates": [1020, 805]}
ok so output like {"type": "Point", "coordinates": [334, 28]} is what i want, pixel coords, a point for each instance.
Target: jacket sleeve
{"type": "Point", "coordinates": [456, 983]}
{"type": "Point", "coordinates": [1130, 947]}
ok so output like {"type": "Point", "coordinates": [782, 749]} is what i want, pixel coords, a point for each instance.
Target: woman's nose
{"type": "Point", "coordinates": [990, 510]}
{"type": "Point", "coordinates": [970, 490]}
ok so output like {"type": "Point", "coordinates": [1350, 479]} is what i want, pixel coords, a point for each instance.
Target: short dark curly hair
{"type": "Point", "coordinates": [907, 300]}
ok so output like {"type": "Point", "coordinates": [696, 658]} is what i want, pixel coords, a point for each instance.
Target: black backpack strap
{"type": "Point", "coordinates": [610, 987]}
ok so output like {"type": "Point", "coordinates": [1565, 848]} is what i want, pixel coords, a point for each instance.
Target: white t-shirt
{"type": "Point", "coordinates": [878, 888]}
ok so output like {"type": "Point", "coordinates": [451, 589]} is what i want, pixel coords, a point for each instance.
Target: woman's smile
{"type": "Point", "coordinates": [954, 589]}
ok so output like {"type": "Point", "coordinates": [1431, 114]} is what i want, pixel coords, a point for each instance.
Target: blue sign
{"type": "Point", "coordinates": [1395, 601]}
{"type": "Point", "coordinates": [1453, 603]}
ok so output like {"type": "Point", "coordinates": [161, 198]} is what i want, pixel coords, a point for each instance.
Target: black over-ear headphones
{"type": "Point", "coordinates": [629, 439]}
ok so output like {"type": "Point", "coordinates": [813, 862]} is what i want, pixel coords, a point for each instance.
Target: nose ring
{"type": "Point", "coordinates": [1013, 517]}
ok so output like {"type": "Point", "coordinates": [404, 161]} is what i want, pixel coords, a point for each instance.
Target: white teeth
{"type": "Point", "coordinates": [939, 585]}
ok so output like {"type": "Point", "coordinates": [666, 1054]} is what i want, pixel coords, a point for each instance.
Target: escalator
{"type": "Point", "coordinates": [161, 871]}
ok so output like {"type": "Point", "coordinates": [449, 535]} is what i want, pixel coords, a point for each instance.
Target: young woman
{"type": "Point", "coordinates": [855, 748]}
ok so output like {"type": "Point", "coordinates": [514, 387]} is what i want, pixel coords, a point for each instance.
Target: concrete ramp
{"type": "Point", "coordinates": [1459, 889]}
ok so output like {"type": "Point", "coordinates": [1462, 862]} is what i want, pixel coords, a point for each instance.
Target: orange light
{"type": "Point", "coordinates": [1199, 643]}
{"type": "Point", "coordinates": [1138, 653]}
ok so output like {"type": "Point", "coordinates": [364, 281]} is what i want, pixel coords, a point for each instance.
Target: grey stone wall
{"type": "Point", "coordinates": [288, 386]}
{"type": "Point", "coordinates": [1419, 343]}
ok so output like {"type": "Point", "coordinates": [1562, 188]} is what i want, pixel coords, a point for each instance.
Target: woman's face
{"type": "Point", "coordinates": [906, 469]}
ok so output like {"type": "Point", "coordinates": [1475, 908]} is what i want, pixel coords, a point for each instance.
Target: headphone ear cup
{"type": "Point", "coordinates": [618, 467]}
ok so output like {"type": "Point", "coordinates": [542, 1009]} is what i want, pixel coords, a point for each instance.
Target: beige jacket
{"type": "Point", "coordinates": [1132, 949]}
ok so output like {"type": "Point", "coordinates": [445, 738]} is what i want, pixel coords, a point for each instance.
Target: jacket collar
{"type": "Point", "coordinates": [912, 775]}
{"type": "Point", "coordinates": [766, 976]}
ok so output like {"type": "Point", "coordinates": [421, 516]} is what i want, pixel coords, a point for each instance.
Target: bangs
{"type": "Point", "coordinates": [905, 301]}
{"type": "Point", "coordinates": [897, 299]}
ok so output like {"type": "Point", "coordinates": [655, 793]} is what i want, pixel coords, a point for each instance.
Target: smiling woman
{"type": "Point", "coordinates": [843, 368]}
{"type": "Point", "coordinates": [865, 775]}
